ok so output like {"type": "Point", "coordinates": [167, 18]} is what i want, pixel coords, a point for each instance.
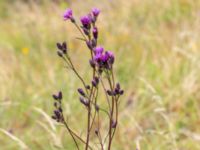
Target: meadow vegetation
{"type": "Point", "coordinates": [157, 49]}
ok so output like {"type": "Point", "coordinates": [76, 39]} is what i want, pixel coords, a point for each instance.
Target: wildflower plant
{"type": "Point", "coordinates": [101, 63]}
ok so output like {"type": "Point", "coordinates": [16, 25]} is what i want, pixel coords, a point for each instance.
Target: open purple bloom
{"type": "Point", "coordinates": [95, 12]}
{"type": "Point", "coordinates": [98, 57]}
{"type": "Point", "coordinates": [98, 50]}
{"type": "Point", "coordinates": [68, 14]}
{"type": "Point", "coordinates": [103, 60]}
{"type": "Point", "coordinates": [86, 21]}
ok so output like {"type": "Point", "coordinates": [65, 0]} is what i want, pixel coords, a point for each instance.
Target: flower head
{"type": "Point", "coordinates": [103, 59]}
{"type": "Point", "coordinates": [86, 21]}
{"type": "Point", "coordinates": [98, 50]}
{"type": "Point", "coordinates": [68, 14]}
{"type": "Point", "coordinates": [110, 57]}
{"type": "Point", "coordinates": [95, 12]}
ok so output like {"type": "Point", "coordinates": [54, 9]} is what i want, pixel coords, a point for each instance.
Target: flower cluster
{"type": "Point", "coordinates": [116, 92]}
{"type": "Point", "coordinates": [101, 62]}
{"type": "Point", "coordinates": [62, 49]}
{"type": "Point", "coordinates": [58, 116]}
{"type": "Point", "coordinates": [104, 60]}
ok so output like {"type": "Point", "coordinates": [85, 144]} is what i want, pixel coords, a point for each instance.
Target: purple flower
{"type": "Point", "coordinates": [68, 14]}
{"type": "Point", "coordinates": [86, 21]}
{"type": "Point", "coordinates": [98, 50]}
{"type": "Point", "coordinates": [95, 12]}
{"type": "Point", "coordinates": [103, 60]}
{"type": "Point", "coordinates": [98, 57]}
{"type": "Point", "coordinates": [110, 57]}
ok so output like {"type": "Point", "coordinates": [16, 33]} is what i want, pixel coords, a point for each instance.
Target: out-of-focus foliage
{"type": "Point", "coordinates": [156, 44]}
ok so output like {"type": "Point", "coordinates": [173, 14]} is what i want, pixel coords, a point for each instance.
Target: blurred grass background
{"type": "Point", "coordinates": [157, 47]}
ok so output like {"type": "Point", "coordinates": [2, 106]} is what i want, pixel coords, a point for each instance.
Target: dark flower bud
{"type": "Point", "coordinates": [116, 91]}
{"type": "Point", "coordinates": [81, 92]}
{"type": "Point", "coordinates": [73, 20]}
{"type": "Point", "coordinates": [111, 60]}
{"type": "Point", "coordinates": [96, 79]}
{"type": "Point", "coordinates": [57, 113]}
{"type": "Point", "coordinates": [55, 97]}
{"type": "Point", "coordinates": [55, 104]}
{"type": "Point", "coordinates": [92, 63]}
{"type": "Point", "coordinates": [84, 102]}
{"type": "Point", "coordinates": [59, 95]}
{"type": "Point", "coordinates": [118, 86]}
{"type": "Point", "coordinates": [59, 53]}
{"type": "Point", "coordinates": [94, 83]}
{"type": "Point", "coordinates": [64, 51]}
{"type": "Point", "coordinates": [110, 93]}
{"type": "Point", "coordinates": [95, 32]}
{"type": "Point", "coordinates": [53, 117]}
{"type": "Point", "coordinates": [64, 47]}
{"type": "Point", "coordinates": [89, 44]}
{"type": "Point", "coordinates": [60, 109]}
{"type": "Point", "coordinates": [96, 131]}
{"type": "Point", "coordinates": [59, 46]}
{"type": "Point", "coordinates": [97, 107]}
{"type": "Point", "coordinates": [87, 87]}
{"type": "Point", "coordinates": [94, 42]}
{"type": "Point", "coordinates": [121, 92]}
{"type": "Point", "coordinates": [86, 31]}
{"type": "Point", "coordinates": [114, 124]}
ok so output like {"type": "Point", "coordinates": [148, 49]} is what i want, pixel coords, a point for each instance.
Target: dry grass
{"type": "Point", "coordinates": [158, 63]}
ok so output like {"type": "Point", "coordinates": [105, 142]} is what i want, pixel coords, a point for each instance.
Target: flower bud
{"type": "Point", "coordinates": [59, 95]}
{"type": "Point", "coordinates": [97, 107]}
{"type": "Point", "coordinates": [92, 63]}
{"type": "Point", "coordinates": [55, 104]}
{"type": "Point", "coordinates": [55, 97]}
{"type": "Point", "coordinates": [94, 83]}
{"type": "Point", "coordinates": [84, 102]}
{"type": "Point", "coordinates": [81, 92]}
{"type": "Point", "coordinates": [114, 124]}
{"type": "Point", "coordinates": [95, 12]}
{"type": "Point", "coordinates": [89, 44]}
{"type": "Point", "coordinates": [95, 32]}
{"type": "Point", "coordinates": [60, 54]}
{"type": "Point", "coordinates": [68, 14]}
{"type": "Point", "coordinates": [96, 131]}
{"type": "Point", "coordinates": [94, 42]}
{"type": "Point", "coordinates": [59, 46]}
{"type": "Point", "coordinates": [53, 117]}
{"type": "Point", "coordinates": [96, 79]}
{"type": "Point", "coordinates": [87, 87]}
{"type": "Point", "coordinates": [121, 92]}
{"type": "Point", "coordinates": [118, 86]}
{"type": "Point", "coordinates": [110, 93]}
{"type": "Point", "coordinates": [86, 21]}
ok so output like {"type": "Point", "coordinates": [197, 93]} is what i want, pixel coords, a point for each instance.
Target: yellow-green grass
{"type": "Point", "coordinates": [157, 47]}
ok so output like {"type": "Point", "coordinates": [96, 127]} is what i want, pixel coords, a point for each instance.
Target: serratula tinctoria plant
{"type": "Point", "coordinates": [101, 63]}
